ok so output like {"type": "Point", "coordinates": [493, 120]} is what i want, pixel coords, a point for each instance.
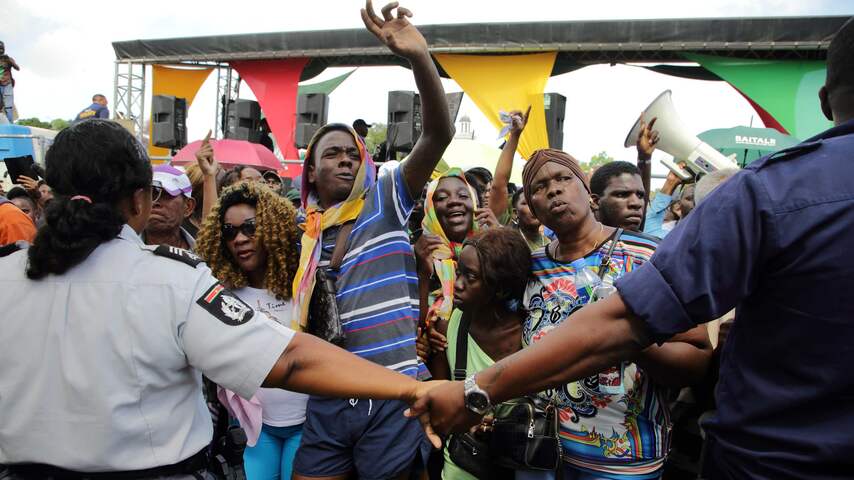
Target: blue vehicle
{"type": "Point", "coordinates": [19, 141]}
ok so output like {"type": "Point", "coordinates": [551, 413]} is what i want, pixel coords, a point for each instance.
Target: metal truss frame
{"type": "Point", "coordinates": [129, 94]}
{"type": "Point", "coordinates": [227, 90]}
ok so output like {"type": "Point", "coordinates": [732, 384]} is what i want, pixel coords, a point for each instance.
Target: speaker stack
{"type": "Point", "coordinates": [312, 111]}
{"type": "Point", "coordinates": [243, 121]}
{"type": "Point", "coordinates": [555, 105]}
{"type": "Point", "coordinates": [169, 118]}
{"type": "Point", "coordinates": [404, 120]}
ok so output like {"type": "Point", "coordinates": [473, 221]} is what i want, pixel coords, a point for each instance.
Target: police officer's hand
{"type": "Point", "coordinates": [421, 392]}
{"type": "Point", "coordinates": [205, 158]}
{"type": "Point", "coordinates": [444, 408]}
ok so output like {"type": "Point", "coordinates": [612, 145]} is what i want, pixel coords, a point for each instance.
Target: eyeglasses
{"type": "Point", "coordinates": [247, 228]}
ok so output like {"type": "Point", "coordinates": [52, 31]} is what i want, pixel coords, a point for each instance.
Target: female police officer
{"type": "Point", "coordinates": [104, 339]}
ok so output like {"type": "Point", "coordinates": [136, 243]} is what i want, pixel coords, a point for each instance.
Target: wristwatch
{"type": "Point", "coordinates": [477, 400]}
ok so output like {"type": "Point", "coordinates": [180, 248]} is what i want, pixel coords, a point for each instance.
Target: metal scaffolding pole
{"type": "Point", "coordinates": [227, 90]}
{"type": "Point", "coordinates": [129, 94]}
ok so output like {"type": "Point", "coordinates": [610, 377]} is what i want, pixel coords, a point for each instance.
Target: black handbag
{"type": "Point", "coordinates": [323, 319]}
{"type": "Point", "coordinates": [525, 434]}
{"type": "Point", "coordinates": [471, 451]}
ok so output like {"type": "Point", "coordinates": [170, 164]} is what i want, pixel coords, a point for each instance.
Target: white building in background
{"type": "Point", "coordinates": [465, 131]}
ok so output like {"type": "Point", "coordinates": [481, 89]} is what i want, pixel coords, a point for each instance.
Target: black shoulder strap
{"type": "Point", "coordinates": [13, 247]}
{"type": "Point", "coordinates": [175, 253]}
{"type": "Point", "coordinates": [606, 260]}
{"type": "Point", "coordinates": [461, 362]}
{"type": "Point", "coordinates": [341, 245]}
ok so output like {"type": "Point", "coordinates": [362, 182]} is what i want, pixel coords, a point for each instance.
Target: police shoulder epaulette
{"type": "Point", "coordinates": [11, 248]}
{"type": "Point", "coordinates": [793, 151]}
{"type": "Point", "coordinates": [179, 254]}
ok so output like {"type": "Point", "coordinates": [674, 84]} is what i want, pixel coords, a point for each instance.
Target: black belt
{"type": "Point", "coordinates": [27, 471]}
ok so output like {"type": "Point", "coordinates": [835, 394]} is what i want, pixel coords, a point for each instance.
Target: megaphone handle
{"type": "Point", "coordinates": [682, 173]}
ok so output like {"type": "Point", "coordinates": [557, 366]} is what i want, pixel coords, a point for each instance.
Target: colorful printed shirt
{"type": "Point", "coordinates": [377, 284]}
{"type": "Point", "coordinates": [614, 425]}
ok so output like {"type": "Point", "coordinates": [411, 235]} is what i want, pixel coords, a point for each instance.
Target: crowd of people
{"type": "Point", "coordinates": [380, 320]}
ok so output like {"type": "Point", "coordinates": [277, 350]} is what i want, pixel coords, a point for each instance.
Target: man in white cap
{"type": "Point", "coordinates": [172, 203]}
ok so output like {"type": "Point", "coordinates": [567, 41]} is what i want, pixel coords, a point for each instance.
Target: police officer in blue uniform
{"type": "Point", "coordinates": [776, 242]}
{"type": "Point", "coordinates": [105, 339]}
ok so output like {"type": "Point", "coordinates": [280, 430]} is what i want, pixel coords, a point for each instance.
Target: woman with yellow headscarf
{"type": "Point", "coordinates": [449, 219]}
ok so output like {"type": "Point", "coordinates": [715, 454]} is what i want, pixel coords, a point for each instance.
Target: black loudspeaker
{"type": "Point", "coordinates": [312, 110]}
{"type": "Point", "coordinates": [243, 121]}
{"type": "Point", "coordinates": [169, 117]}
{"type": "Point", "coordinates": [404, 120]}
{"type": "Point", "coordinates": [555, 104]}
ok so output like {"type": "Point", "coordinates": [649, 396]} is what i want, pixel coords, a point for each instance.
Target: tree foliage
{"type": "Point", "coordinates": [376, 136]}
{"type": "Point", "coordinates": [32, 122]}
{"type": "Point", "coordinates": [56, 124]}
{"type": "Point", "coordinates": [596, 161]}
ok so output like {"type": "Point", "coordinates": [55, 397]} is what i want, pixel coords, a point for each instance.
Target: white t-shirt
{"type": "Point", "coordinates": [279, 408]}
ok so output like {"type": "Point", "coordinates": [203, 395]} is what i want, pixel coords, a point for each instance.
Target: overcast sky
{"type": "Point", "coordinates": [65, 53]}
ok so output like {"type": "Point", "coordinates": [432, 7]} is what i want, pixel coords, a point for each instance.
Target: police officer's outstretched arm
{"type": "Point", "coordinates": [241, 349]}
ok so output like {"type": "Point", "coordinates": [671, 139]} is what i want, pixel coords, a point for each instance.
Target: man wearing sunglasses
{"type": "Point", "coordinates": [171, 204]}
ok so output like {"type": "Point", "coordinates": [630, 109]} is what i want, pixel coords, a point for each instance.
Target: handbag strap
{"type": "Point", "coordinates": [341, 245]}
{"type": "Point", "coordinates": [606, 260]}
{"type": "Point", "coordinates": [461, 362]}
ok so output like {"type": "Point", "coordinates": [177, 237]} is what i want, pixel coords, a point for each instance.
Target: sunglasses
{"type": "Point", "coordinates": [247, 228]}
{"type": "Point", "coordinates": [157, 192]}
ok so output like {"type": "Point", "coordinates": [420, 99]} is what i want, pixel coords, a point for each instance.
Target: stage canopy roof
{"type": "Point", "coordinates": [579, 43]}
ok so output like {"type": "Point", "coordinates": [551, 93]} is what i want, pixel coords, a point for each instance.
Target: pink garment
{"type": "Point", "coordinates": [247, 413]}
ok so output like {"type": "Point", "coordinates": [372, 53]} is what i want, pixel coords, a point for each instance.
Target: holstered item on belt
{"type": "Point", "coordinates": [35, 471]}
{"type": "Point", "coordinates": [227, 461]}
{"type": "Point", "coordinates": [324, 320]}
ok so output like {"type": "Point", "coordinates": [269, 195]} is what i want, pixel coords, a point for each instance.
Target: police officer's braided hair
{"type": "Point", "coordinates": [98, 160]}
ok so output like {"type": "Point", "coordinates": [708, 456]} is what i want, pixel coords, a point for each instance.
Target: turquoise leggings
{"type": "Point", "coordinates": [272, 458]}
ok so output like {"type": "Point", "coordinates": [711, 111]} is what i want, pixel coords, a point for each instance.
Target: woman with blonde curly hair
{"type": "Point", "coordinates": [249, 240]}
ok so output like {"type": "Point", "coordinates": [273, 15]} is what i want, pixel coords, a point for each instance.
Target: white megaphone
{"type": "Point", "coordinates": [700, 158]}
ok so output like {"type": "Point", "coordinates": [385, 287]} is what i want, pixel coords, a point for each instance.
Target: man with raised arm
{"type": "Point", "coordinates": [376, 283]}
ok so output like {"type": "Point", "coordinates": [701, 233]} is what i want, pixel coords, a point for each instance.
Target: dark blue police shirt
{"type": "Point", "coordinates": [777, 242]}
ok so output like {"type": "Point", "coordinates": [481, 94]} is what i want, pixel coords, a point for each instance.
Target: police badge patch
{"type": "Point", "coordinates": [225, 306]}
